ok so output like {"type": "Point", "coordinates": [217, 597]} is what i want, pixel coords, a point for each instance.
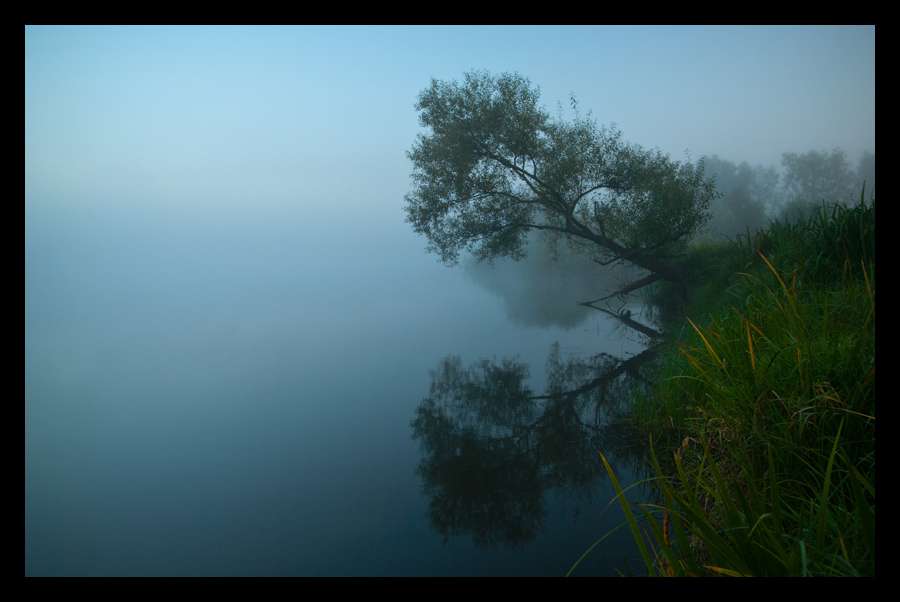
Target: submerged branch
{"type": "Point", "coordinates": [625, 290]}
{"type": "Point", "coordinates": [625, 318]}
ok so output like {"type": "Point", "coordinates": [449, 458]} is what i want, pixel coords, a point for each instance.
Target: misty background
{"type": "Point", "coordinates": [228, 325]}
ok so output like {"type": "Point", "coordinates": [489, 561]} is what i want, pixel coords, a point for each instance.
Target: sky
{"type": "Point", "coordinates": [243, 119]}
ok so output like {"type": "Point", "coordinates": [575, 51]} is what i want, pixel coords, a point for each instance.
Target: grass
{"type": "Point", "coordinates": [766, 407]}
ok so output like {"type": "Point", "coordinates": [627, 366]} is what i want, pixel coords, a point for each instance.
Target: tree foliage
{"type": "Point", "coordinates": [747, 193]}
{"type": "Point", "coordinates": [865, 173]}
{"type": "Point", "coordinates": [495, 165]}
{"type": "Point", "coordinates": [815, 177]}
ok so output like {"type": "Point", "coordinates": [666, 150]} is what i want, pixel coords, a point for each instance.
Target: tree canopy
{"type": "Point", "coordinates": [748, 196]}
{"type": "Point", "coordinates": [816, 177]}
{"type": "Point", "coordinates": [494, 165]}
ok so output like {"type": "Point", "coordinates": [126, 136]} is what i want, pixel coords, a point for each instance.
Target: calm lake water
{"type": "Point", "coordinates": [308, 394]}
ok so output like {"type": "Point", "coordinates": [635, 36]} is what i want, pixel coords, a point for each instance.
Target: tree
{"type": "Point", "coordinates": [815, 177]}
{"type": "Point", "coordinates": [745, 193]}
{"type": "Point", "coordinates": [494, 165]}
{"type": "Point", "coordinates": [865, 174]}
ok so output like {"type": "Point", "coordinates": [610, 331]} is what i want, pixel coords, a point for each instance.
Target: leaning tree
{"type": "Point", "coordinates": [494, 165]}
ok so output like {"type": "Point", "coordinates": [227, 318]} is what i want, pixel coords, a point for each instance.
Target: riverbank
{"type": "Point", "coordinates": [763, 418]}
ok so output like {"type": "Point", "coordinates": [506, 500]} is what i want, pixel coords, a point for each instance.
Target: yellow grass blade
{"type": "Point", "coordinates": [708, 346]}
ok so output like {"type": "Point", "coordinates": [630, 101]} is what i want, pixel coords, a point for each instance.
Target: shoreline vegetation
{"type": "Point", "coordinates": [761, 427]}
{"type": "Point", "coordinates": [766, 399]}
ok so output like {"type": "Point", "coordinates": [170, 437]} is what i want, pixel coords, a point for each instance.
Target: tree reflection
{"type": "Point", "coordinates": [491, 447]}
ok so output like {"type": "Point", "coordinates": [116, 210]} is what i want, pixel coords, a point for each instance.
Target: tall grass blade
{"type": "Point", "coordinates": [629, 515]}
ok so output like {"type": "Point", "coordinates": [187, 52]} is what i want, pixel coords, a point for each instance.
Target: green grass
{"type": "Point", "coordinates": [766, 407]}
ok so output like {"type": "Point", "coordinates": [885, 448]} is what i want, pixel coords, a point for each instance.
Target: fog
{"type": "Point", "coordinates": [229, 327]}
{"type": "Point", "coordinates": [225, 397]}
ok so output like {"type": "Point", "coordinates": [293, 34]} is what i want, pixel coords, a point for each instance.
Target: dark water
{"type": "Point", "coordinates": [298, 394]}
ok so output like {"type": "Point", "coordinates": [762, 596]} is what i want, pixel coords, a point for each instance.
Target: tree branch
{"type": "Point", "coordinates": [626, 289]}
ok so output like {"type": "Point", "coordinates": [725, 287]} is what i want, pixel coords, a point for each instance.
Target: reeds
{"type": "Point", "coordinates": [718, 522]}
{"type": "Point", "coordinates": [769, 404]}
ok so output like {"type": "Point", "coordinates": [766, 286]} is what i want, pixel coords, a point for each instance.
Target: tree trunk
{"type": "Point", "coordinates": [664, 270]}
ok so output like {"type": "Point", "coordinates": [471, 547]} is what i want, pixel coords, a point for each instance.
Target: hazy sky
{"type": "Point", "coordinates": [254, 117]}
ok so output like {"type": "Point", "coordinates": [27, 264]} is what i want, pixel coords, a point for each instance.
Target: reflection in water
{"type": "Point", "coordinates": [491, 447]}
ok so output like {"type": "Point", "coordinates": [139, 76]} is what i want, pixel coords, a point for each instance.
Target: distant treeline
{"type": "Point", "coordinates": [752, 196]}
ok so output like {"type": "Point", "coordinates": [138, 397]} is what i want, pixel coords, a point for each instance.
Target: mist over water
{"type": "Point", "coordinates": [234, 396]}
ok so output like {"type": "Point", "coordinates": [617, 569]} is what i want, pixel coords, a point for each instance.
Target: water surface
{"type": "Point", "coordinates": [302, 394]}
